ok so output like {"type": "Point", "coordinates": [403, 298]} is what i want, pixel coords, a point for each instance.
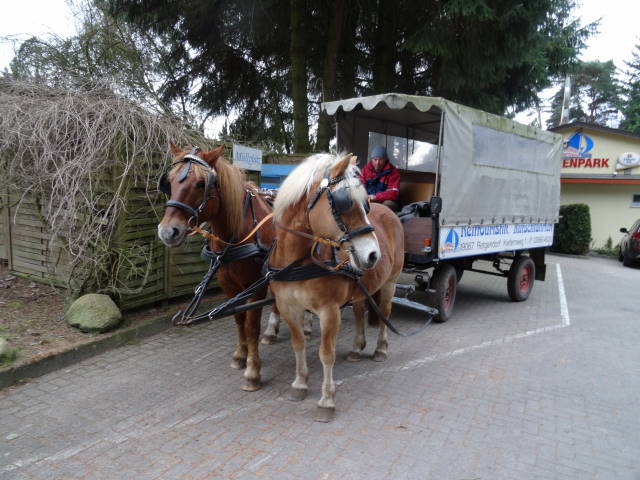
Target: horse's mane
{"type": "Point", "coordinates": [300, 181]}
{"type": "Point", "coordinates": [231, 185]}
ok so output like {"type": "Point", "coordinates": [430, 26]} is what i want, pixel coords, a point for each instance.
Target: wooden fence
{"type": "Point", "coordinates": [143, 269]}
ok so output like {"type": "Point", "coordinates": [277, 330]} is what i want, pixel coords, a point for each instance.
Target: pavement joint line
{"type": "Point", "coordinates": [565, 322]}
{"type": "Point", "coordinates": [204, 356]}
{"type": "Point", "coordinates": [116, 438]}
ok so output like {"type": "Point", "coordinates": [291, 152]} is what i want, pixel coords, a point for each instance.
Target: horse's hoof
{"type": "Point", "coordinates": [325, 414]}
{"type": "Point", "coordinates": [238, 364]}
{"type": "Point", "coordinates": [268, 339]}
{"type": "Point", "coordinates": [251, 385]}
{"type": "Point", "coordinates": [379, 356]}
{"type": "Point", "coordinates": [353, 357]}
{"type": "Point", "coordinates": [297, 394]}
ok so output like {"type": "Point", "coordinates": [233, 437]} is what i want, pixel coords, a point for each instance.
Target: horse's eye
{"type": "Point", "coordinates": [200, 184]}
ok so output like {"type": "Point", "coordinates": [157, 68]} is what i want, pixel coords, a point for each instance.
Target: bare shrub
{"type": "Point", "coordinates": [79, 153]}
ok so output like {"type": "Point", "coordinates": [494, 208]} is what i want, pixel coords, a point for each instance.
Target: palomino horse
{"type": "Point", "coordinates": [206, 188]}
{"type": "Point", "coordinates": [323, 198]}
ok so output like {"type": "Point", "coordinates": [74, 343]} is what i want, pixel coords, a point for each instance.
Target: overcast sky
{"type": "Point", "coordinates": [619, 27]}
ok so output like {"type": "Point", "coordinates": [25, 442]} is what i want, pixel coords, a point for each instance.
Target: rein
{"type": "Point", "coordinates": [324, 241]}
{"type": "Point", "coordinates": [233, 252]}
{"type": "Point", "coordinates": [212, 236]}
{"type": "Point", "coordinates": [291, 273]}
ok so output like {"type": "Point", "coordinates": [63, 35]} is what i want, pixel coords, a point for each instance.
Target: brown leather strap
{"type": "Point", "coordinates": [324, 241]}
{"type": "Point", "coordinates": [212, 236]}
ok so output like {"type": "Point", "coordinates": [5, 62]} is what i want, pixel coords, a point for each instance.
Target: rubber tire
{"type": "Point", "coordinates": [459, 273]}
{"type": "Point", "coordinates": [620, 256]}
{"type": "Point", "coordinates": [443, 281]}
{"type": "Point", "coordinates": [627, 261]}
{"type": "Point", "coordinates": [516, 271]}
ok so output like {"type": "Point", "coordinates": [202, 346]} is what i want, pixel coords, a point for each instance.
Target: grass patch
{"type": "Point", "coordinates": [607, 249]}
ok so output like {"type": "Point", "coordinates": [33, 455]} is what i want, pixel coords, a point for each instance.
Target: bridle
{"type": "Point", "coordinates": [340, 201]}
{"type": "Point", "coordinates": [165, 186]}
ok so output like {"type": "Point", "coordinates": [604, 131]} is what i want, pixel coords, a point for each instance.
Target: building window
{"type": "Point", "coordinates": [635, 200]}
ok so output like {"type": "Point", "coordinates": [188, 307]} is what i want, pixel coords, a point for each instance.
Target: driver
{"type": "Point", "coordinates": [381, 179]}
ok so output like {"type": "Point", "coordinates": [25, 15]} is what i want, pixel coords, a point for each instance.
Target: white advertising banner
{"type": "Point", "coordinates": [247, 158]}
{"type": "Point", "coordinates": [468, 240]}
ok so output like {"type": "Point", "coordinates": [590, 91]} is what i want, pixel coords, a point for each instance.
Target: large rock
{"type": "Point", "coordinates": [6, 352]}
{"type": "Point", "coordinates": [94, 313]}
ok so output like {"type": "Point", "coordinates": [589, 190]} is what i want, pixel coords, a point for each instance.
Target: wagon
{"type": "Point", "coordinates": [479, 192]}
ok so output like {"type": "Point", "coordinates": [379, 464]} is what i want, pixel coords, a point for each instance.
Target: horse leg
{"type": "Point", "coordinates": [239, 356]}
{"type": "Point", "coordinates": [384, 303]}
{"type": "Point", "coordinates": [299, 387]}
{"type": "Point", "coordinates": [306, 326]}
{"type": "Point", "coordinates": [273, 326]}
{"type": "Point", "coordinates": [329, 326]}
{"type": "Point", "coordinates": [252, 334]}
{"type": "Point", "coordinates": [359, 340]}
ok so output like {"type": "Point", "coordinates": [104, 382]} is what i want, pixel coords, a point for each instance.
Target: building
{"type": "Point", "coordinates": [601, 168]}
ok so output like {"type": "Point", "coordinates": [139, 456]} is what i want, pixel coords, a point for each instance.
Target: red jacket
{"type": "Point", "coordinates": [387, 186]}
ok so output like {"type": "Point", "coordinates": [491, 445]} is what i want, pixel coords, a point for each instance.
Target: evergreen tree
{"type": "Point", "coordinates": [267, 65]}
{"type": "Point", "coordinates": [595, 95]}
{"type": "Point", "coordinates": [631, 108]}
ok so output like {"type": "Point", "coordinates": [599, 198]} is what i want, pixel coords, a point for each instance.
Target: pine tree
{"type": "Point", "coordinates": [595, 95]}
{"type": "Point", "coordinates": [631, 108]}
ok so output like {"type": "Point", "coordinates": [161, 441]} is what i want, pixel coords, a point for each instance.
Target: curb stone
{"type": "Point", "coordinates": [56, 361]}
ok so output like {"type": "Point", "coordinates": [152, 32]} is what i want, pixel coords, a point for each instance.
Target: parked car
{"type": "Point", "coordinates": [629, 253]}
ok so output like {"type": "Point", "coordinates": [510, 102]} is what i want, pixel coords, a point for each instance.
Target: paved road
{"type": "Point", "coordinates": [546, 389]}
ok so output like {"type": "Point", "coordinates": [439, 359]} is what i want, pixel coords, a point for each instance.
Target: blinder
{"type": "Point", "coordinates": [342, 202]}
{"type": "Point", "coordinates": [164, 185]}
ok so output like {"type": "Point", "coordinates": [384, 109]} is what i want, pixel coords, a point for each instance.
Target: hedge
{"type": "Point", "coordinates": [573, 232]}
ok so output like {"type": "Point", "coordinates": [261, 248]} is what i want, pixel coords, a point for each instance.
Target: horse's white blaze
{"type": "Point", "coordinates": [168, 237]}
{"type": "Point", "coordinates": [365, 250]}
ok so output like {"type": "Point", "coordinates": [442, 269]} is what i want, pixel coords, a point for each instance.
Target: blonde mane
{"type": "Point", "coordinates": [231, 185]}
{"type": "Point", "coordinates": [306, 175]}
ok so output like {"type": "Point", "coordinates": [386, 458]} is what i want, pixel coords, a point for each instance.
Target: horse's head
{"type": "Point", "coordinates": [336, 206]}
{"type": "Point", "coordinates": [191, 184]}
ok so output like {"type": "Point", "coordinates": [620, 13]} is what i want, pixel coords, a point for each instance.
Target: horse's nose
{"type": "Point", "coordinates": [175, 232]}
{"type": "Point", "coordinates": [373, 259]}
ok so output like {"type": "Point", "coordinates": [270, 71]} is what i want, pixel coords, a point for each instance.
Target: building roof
{"type": "Point", "coordinates": [593, 126]}
{"type": "Point", "coordinates": [277, 169]}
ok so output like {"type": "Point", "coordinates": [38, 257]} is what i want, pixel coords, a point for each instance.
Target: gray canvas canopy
{"type": "Point", "coordinates": [491, 170]}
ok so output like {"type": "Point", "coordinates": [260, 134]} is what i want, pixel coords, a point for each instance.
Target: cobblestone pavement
{"type": "Point", "coordinates": [537, 390]}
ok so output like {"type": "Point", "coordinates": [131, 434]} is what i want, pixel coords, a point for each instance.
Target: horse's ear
{"type": "Point", "coordinates": [340, 166]}
{"type": "Point", "coordinates": [177, 151]}
{"type": "Point", "coordinates": [212, 155]}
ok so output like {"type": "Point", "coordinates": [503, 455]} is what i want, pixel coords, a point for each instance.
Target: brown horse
{"type": "Point", "coordinates": [205, 186]}
{"type": "Point", "coordinates": [323, 197]}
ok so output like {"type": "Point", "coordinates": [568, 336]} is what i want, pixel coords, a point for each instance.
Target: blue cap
{"type": "Point", "coordinates": [379, 151]}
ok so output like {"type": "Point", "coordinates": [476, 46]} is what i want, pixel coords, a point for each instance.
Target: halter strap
{"type": "Point", "coordinates": [188, 159]}
{"type": "Point", "coordinates": [325, 186]}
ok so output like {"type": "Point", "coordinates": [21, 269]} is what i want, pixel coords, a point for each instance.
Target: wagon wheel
{"type": "Point", "coordinates": [627, 261]}
{"type": "Point", "coordinates": [521, 277]}
{"type": "Point", "coordinates": [445, 283]}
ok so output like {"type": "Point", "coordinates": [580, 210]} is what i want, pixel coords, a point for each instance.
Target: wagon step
{"type": "Point", "coordinates": [405, 302]}
{"type": "Point", "coordinates": [403, 290]}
